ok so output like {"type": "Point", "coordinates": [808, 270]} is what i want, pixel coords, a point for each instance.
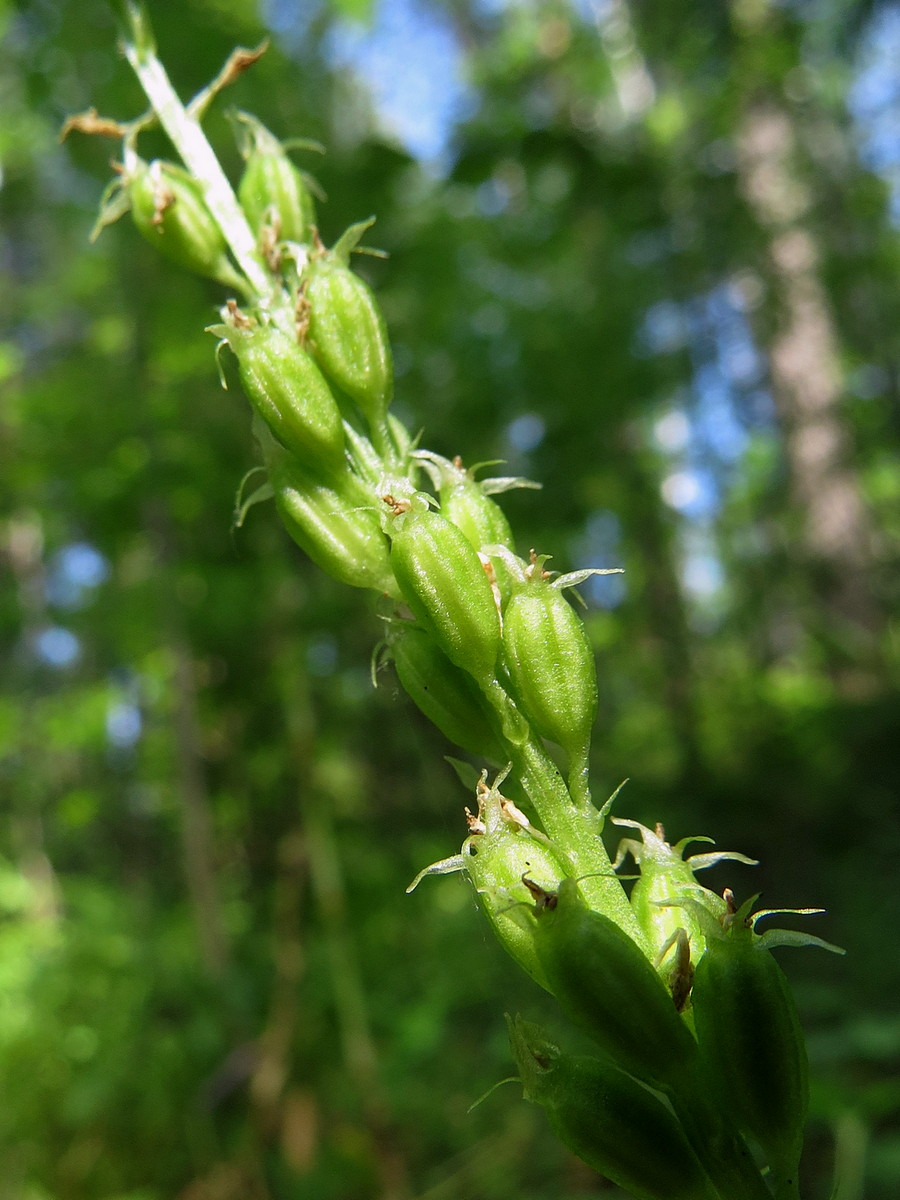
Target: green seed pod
{"type": "Point", "coordinates": [465, 502]}
{"type": "Point", "coordinates": [447, 696]}
{"type": "Point", "coordinates": [443, 582]}
{"type": "Point", "coordinates": [347, 331]}
{"type": "Point", "coordinates": [605, 983]}
{"type": "Point", "coordinates": [168, 208]}
{"type": "Point", "coordinates": [617, 1126]}
{"type": "Point", "coordinates": [288, 391]}
{"type": "Point", "coordinates": [752, 1046]}
{"type": "Point", "coordinates": [272, 192]}
{"type": "Point", "coordinates": [666, 880]}
{"type": "Point", "coordinates": [551, 667]}
{"type": "Point", "coordinates": [337, 525]}
{"type": "Point", "coordinates": [504, 847]}
{"type": "Point", "coordinates": [480, 518]}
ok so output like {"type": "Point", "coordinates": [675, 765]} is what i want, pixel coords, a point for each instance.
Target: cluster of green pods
{"type": "Point", "coordinates": [699, 1057]}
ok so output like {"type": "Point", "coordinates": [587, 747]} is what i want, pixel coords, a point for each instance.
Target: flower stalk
{"type": "Point", "coordinates": [491, 650]}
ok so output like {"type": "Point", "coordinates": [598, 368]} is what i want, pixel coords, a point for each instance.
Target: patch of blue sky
{"type": "Point", "coordinates": [693, 490]}
{"type": "Point", "coordinates": [600, 545]}
{"type": "Point", "coordinates": [664, 329]}
{"type": "Point", "coordinates": [525, 433]}
{"type": "Point", "coordinates": [715, 420]}
{"type": "Point", "coordinates": [291, 22]}
{"type": "Point", "coordinates": [410, 59]}
{"type": "Point", "coordinates": [74, 571]}
{"type": "Point", "coordinates": [705, 431]}
{"type": "Point", "coordinates": [57, 647]}
{"type": "Point", "coordinates": [874, 100]}
{"type": "Point", "coordinates": [124, 724]}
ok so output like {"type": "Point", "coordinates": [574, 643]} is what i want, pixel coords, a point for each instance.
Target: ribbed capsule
{"type": "Point", "coordinates": [551, 667]}
{"type": "Point", "coordinates": [288, 391]}
{"type": "Point", "coordinates": [443, 582]}
{"type": "Point", "coordinates": [658, 898]}
{"type": "Point", "coordinates": [349, 335]}
{"type": "Point", "coordinates": [336, 525]}
{"type": "Point", "coordinates": [752, 1047]}
{"type": "Point", "coordinates": [272, 192]}
{"type": "Point", "coordinates": [447, 695]}
{"type": "Point", "coordinates": [465, 503]}
{"type": "Point", "coordinates": [606, 984]}
{"type": "Point", "coordinates": [169, 210]}
{"type": "Point", "coordinates": [614, 1124]}
{"type": "Point", "coordinates": [346, 329]}
{"type": "Point", "coordinates": [502, 849]}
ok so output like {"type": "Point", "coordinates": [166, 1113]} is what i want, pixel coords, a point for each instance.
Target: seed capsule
{"type": "Point", "coordinates": [347, 330]}
{"type": "Point", "coordinates": [465, 502]}
{"type": "Point", "coordinates": [272, 192]}
{"type": "Point", "coordinates": [448, 696]}
{"type": "Point", "coordinates": [168, 208]}
{"type": "Point", "coordinates": [288, 391]}
{"type": "Point", "coordinates": [551, 667]}
{"type": "Point", "coordinates": [606, 984]}
{"type": "Point", "coordinates": [665, 882]}
{"type": "Point", "coordinates": [504, 847]}
{"type": "Point", "coordinates": [614, 1124]}
{"type": "Point", "coordinates": [337, 525]}
{"type": "Point", "coordinates": [443, 582]}
{"type": "Point", "coordinates": [752, 1046]}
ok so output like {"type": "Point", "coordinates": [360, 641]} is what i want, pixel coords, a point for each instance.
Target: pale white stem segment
{"type": "Point", "coordinates": [198, 156]}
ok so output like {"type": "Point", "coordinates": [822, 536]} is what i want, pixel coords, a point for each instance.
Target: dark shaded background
{"type": "Point", "coordinates": [646, 254]}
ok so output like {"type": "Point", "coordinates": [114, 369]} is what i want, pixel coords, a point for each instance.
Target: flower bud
{"type": "Point", "coordinates": [551, 667]}
{"type": "Point", "coordinates": [665, 882]}
{"type": "Point", "coordinates": [272, 192]}
{"type": "Point", "coordinates": [503, 848]}
{"type": "Point", "coordinates": [447, 696]}
{"type": "Point", "coordinates": [288, 391]}
{"type": "Point", "coordinates": [605, 983]}
{"type": "Point", "coordinates": [169, 210]}
{"type": "Point", "coordinates": [346, 329]}
{"type": "Point", "coordinates": [465, 502]}
{"type": "Point", "coordinates": [611, 1122]}
{"type": "Point", "coordinates": [337, 526]}
{"type": "Point", "coordinates": [443, 582]}
{"type": "Point", "coordinates": [752, 1045]}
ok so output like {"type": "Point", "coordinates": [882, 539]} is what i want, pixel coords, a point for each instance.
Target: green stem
{"type": "Point", "coordinates": [575, 834]}
{"type": "Point", "coordinates": [384, 443]}
{"type": "Point", "coordinates": [573, 828]}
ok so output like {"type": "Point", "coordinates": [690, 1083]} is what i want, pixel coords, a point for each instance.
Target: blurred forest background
{"type": "Point", "coordinates": [646, 253]}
